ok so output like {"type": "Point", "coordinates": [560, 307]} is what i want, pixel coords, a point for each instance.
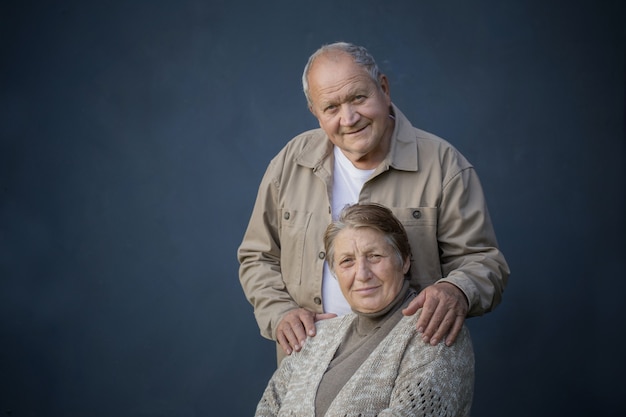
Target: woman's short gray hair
{"type": "Point", "coordinates": [371, 216]}
{"type": "Point", "coordinates": [360, 55]}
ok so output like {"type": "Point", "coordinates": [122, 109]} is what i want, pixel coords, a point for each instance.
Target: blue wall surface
{"type": "Point", "coordinates": [134, 134]}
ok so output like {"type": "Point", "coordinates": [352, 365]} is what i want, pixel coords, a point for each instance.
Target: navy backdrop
{"type": "Point", "coordinates": [133, 138]}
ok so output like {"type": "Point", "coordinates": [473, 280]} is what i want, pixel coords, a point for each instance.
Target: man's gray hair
{"type": "Point", "coordinates": [360, 55]}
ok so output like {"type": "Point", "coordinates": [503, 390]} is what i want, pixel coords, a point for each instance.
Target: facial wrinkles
{"type": "Point", "coordinates": [358, 247]}
{"type": "Point", "coordinates": [350, 115]}
{"type": "Point", "coordinates": [333, 79]}
{"type": "Point", "coordinates": [339, 89]}
{"type": "Point", "coordinates": [363, 271]}
{"type": "Point", "coordinates": [371, 277]}
{"type": "Point", "coordinates": [359, 128]}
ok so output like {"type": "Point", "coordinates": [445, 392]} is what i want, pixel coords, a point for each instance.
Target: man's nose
{"type": "Point", "coordinates": [349, 115]}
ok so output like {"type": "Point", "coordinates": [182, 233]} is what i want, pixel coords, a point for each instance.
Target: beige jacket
{"type": "Point", "coordinates": [425, 181]}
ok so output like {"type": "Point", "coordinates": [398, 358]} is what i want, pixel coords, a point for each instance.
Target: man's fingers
{"type": "Point", "coordinates": [299, 331]}
{"type": "Point", "coordinates": [308, 327]}
{"type": "Point", "coordinates": [443, 313]}
{"type": "Point", "coordinates": [295, 334]}
{"type": "Point", "coordinates": [324, 316]}
{"type": "Point", "coordinates": [439, 326]}
{"type": "Point", "coordinates": [284, 343]}
{"type": "Point", "coordinates": [293, 329]}
{"type": "Point", "coordinates": [424, 323]}
{"type": "Point", "coordinates": [456, 329]}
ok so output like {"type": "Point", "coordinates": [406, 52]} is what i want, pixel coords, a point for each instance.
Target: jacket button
{"type": "Point", "coordinates": [286, 215]}
{"type": "Point", "coordinates": [417, 214]}
{"type": "Point", "coordinates": [321, 255]}
{"type": "Point", "coordinates": [317, 300]}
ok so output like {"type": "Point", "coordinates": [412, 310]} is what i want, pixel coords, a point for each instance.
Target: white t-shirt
{"type": "Point", "coordinates": [347, 183]}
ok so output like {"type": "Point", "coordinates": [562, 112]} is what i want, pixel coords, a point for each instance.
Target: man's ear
{"type": "Point", "coordinates": [315, 115]}
{"type": "Point", "coordinates": [384, 85]}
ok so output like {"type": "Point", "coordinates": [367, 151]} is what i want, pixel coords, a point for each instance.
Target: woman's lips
{"type": "Point", "coordinates": [366, 291]}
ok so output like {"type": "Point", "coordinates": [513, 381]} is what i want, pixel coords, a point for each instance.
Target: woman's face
{"type": "Point", "coordinates": [367, 269]}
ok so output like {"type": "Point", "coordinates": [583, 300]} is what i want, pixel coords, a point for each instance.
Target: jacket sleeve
{"type": "Point", "coordinates": [434, 380]}
{"type": "Point", "coordinates": [260, 272]}
{"type": "Point", "coordinates": [470, 258]}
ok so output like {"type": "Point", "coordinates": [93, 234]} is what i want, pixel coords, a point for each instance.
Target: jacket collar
{"type": "Point", "coordinates": [403, 152]}
{"type": "Point", "coordinates": [316, 149]}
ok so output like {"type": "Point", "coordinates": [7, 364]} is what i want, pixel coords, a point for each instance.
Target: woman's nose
{"type": "Point", "coordinates": [363, 272]}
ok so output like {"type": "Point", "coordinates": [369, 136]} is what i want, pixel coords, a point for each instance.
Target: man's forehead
{"type": "Point", "coordinates": [337, 73]}
{"type": "Point", "coordinates": [332, 57]}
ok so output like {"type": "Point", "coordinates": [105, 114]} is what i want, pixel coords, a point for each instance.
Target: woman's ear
{"type": "Point", "coordinates": [407, 265]}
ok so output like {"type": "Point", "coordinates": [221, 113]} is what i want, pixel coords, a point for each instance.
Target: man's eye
{"type": "Point", "coordinates": [359, 99]}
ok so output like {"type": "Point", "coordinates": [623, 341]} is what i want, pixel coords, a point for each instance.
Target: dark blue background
{"type": "Point", "coordinates": [133, 138]}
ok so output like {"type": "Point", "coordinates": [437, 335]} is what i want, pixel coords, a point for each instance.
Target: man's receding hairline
{"type": "Point", "coordinates": [334, 55]}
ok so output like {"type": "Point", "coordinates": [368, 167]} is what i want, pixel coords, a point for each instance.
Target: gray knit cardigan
{"type": "Point", "coordinates": [403, 376]}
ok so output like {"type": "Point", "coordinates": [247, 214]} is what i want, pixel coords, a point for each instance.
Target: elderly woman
{"type": "Point", "coordinates": [372, 362]}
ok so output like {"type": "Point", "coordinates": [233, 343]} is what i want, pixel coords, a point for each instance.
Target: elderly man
{"type": "Point", "coordinates": [366, 150]}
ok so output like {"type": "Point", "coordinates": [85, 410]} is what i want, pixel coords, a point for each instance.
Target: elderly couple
{"type": "Point", "coordinates": [368, 246]}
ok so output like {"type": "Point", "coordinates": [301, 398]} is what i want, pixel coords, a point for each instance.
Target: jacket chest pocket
{"type": "Point", "coordinates": [416, 216]}
{"type": "Point", "coordinates": [420, 224]}
{"type": "Point", "coordinates": [293, 229]}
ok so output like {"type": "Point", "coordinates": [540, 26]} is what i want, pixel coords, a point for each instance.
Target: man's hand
{"type": "Point", "coordinates": [444, 307]}
{"type": "Point", "coordinates": [295, 326]}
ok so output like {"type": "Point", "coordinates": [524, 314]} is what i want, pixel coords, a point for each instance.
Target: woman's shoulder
{"type": "Point", "coordinates": [328, 334]}
{"type": "Point", "coordinates": [461, 349]}
{"type": "Point", "coordinates": [408, 326]}
{"type": "Point", "coordinates": [331, 326]}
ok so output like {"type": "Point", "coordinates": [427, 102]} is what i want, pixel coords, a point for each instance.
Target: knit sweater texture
{"type": "Point", "coordinates": [403, 376]}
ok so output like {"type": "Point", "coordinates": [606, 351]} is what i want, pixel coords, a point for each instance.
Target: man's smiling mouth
{"type": "Point", "coordinates": [359, 130]}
